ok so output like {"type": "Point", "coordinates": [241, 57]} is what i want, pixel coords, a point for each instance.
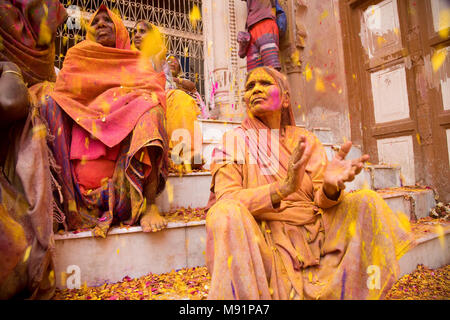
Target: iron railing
{"type": "Point", "coordinates": [170, 16]}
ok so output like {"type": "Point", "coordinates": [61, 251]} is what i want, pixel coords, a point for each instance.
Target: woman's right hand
{"type": "Point", "coordinates": [6, 65]}
{"type": "Point", "coordinates": [296, 168]}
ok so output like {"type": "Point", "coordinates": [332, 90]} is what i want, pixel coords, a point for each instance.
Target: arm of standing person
{"type": "Point", "coordinates": [186, 84]}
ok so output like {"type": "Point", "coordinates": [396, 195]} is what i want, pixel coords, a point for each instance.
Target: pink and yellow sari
{"type": "Point", "coordinates": [105, 106]}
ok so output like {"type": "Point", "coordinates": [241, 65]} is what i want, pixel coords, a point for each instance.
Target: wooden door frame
{"type": "Point", "coordinates": [356, 66]}
{"type": "Point", "coordinates": [439, 118]}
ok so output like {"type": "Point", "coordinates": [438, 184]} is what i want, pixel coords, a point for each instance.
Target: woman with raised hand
{"type": "Point", "coordinates": [282, 226]}
{"type": "Point", "coordinates": [107, 116]}
{"type": "Point", "coordinates": [184, 103]}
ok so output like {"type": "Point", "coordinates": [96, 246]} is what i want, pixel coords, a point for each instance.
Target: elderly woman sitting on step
{"type": "Point", "coordinates": [107, 115]}
{"type": "Point", "coordinates": [184, 103]}
{"type": "Point", "coordinates": [282, 226]}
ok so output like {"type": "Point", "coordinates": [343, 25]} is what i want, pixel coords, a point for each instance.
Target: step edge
{"type": "Point", "coordinates": [431, 236]}
{"type": "Point", "coordinates": [126, 230]}
{"type": "Point", "coordinates": [322, 129]}
{"type": "Point", "coordinates": [219, 121]}
{"type": "Point", "coordinates": [402, 193]}
{"type": "Point", "coordinates": [211, 141]}
{"type": "Point", "coordinates": [191, 174]}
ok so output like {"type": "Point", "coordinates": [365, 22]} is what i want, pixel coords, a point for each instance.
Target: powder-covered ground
{"type": "Point", "coordinates": [193, 283]}
{"type": "Point", "coordinates": [422, 284]}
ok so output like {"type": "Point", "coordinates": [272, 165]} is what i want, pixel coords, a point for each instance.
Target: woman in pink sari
{"type": "Point", "coordinates": [282, 226]}
{"type": "Point", "coordinates": [107, 114]}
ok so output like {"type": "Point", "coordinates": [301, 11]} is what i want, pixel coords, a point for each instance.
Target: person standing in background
{"type": "Point", "coordinates": [263, 46]}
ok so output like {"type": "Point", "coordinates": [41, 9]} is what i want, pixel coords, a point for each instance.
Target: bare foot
{"type": "Point", "coordinates": [152, 221]}
{"type": "Point", "coordinates": [103, 225]}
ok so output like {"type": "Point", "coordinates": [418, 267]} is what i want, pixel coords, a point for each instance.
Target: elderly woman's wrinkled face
{"type": "Point", "coordinates": [173, 65]}
{"type": "Point", "coordinates": [141, 29]}
{"type": "Point", "coordinates": [105, 31]}
{"type": "Point", "coordinates": [262, 93]}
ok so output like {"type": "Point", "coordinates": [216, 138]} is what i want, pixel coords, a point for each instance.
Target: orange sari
{"type": "Point", "coordinates": [115, 102]}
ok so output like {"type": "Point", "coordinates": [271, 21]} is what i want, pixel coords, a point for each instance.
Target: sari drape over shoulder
{"type": "Point", "coordinates": [119, 103]}
{"type": "Point", "coordinates": [27, 31]}
{"type": "Point", "coordinates": [310, 246]}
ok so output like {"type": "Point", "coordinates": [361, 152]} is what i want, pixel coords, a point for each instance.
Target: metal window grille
{"type": "Point", "coordinates": [170, 16]}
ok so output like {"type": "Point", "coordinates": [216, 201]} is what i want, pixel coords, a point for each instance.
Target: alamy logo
{"type": "Point", "coordinates": [373, 281]}
{"type": "Point", "coordinates": [73, 281]}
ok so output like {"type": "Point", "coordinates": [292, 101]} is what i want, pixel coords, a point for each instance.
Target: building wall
{"type": "Point", "coordinates": [316, 40]}
{"type": "Point", "coordinates": [318, 88]}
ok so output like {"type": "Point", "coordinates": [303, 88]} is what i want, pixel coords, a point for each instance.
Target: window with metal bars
{"type": "Point", "coordinates": [170, 16]}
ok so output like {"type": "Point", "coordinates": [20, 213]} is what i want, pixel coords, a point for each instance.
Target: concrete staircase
{"type": "Point", "coordinates": [130, 252]}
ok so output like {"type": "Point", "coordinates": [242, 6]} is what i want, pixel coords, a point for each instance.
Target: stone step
{"type": "Point", "coordinates": [375, 176]}
{"type": "Point", "coordinates": [192, 190]}
{"type": "Point", "coordinates": [188, 190]}
{"type": "Point", "coordinates": [130, 252]}
{"type": "Point", "coordinates": [213, 130]}
{"type": "Point", "coordinates": [207, 149]}
{"type": "Point", "coordinates": [416, 203]}
{"type": "Point", "coordinates": [432, 250]}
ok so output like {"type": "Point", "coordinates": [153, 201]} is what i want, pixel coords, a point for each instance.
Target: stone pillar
{"type": "Point", "coordinates": [219, 66]}
{"type": "Point", "coordinates": [224, 69]}
{"type": "Point", "coordinates": [291, 51]}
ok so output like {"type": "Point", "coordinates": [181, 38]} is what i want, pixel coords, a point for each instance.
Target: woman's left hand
{"type": "Point", "coordinates": [340, 170]}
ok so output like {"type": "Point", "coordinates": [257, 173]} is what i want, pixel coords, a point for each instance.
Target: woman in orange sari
{"type": "Point", "coordinates": [107, 116]}
{"type": "Point", "coordinates": [282, 226]}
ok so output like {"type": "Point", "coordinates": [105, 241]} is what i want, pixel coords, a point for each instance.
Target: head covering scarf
{"type": "Point", "coordinates": [149, 26]}
{"type": "Point", "coordinates": [27, 29]}
{"type": "Point", "coordinates": [122, 37]}
{"type": "Point", "coordinates": [173, 85]}
{"type": "Point", "coordinates": [250, 125]}
{"type": "Point", "coordinates": [169, 77]}
{"type": "Point", "coordinates": [106, 90]}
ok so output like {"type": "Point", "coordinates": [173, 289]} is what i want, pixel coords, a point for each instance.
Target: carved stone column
{"type": "Point", "coordinates": [225, 72]}
{"type": "Point", "coordinates": [217, 55]}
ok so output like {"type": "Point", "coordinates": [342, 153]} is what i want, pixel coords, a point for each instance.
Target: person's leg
{"type": "Point", "coordinates": [237, 255]}
{"type": "Point", "coordinates": [270, 55]}
{"type": "Point", "coordinates": [253, 55]}
{"type": "Point", "coordinates": [364, 239]}
{"type": "Point", "coordinates": [151, 219]}
{"type": "Point", "coordinates": [182, 112]}
{"type": "Point", "coordinates": [253, 58]}
{"type": "Point", "coordinates": [268, 44]}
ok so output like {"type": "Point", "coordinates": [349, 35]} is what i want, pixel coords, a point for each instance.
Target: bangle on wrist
{"type": "Point", "coordinates": [13, 72]}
